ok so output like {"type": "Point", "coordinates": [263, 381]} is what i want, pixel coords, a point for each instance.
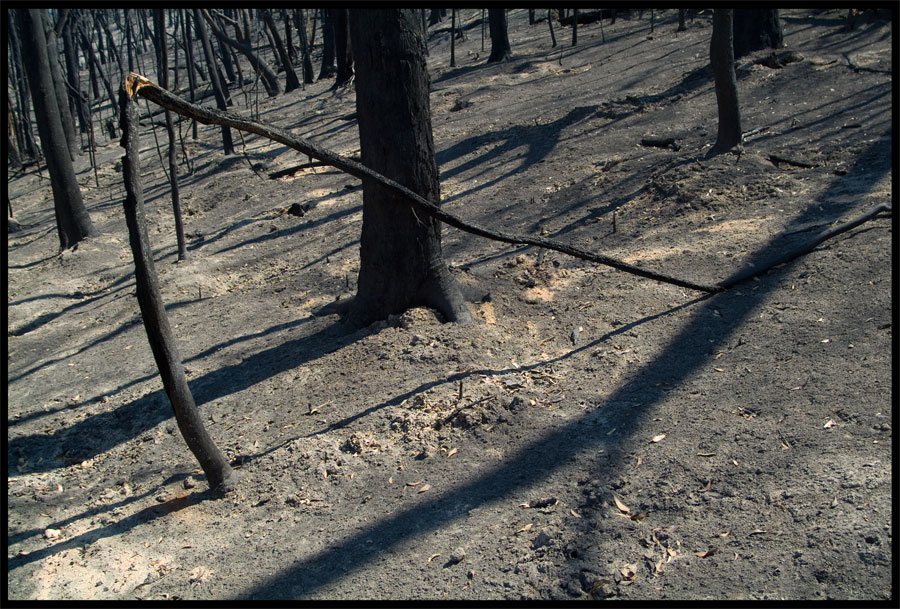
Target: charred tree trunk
{"type": "Point", "coordinates": [575, 27]}
{"type": "Point", "coordinates": [24, 134]}
{"type": "Point", "coordinates": [270, 82]}
{"type": "Point", "coordinates": [62, 98]}
{"type": "Point", "coordinates": [401, 264]}
{"type": "Point", "coordinates": [219, 474]}
{"type": "Point", "coordinates": [327, 70]}
{"type": "Point", "coordinates": [189, 54]}
{"type": "Point", "coordinates": [550, 23]}
{"type": "Point", "coordinates": [681, 25]}
{"type": "Point", "coordinates": [756, 29]}
{"type": "Point", "coordinates": [721, 57]}
{"type": "Point", "coordinates": [500, 48]}
{"type": "Point", "coordinates": [217, 85]}
{"type": "Point", "coordinates": [342, 48]}
{"type": "Point", "coordinates": [308, 77]}
{"type": "Point", "coordinates": [159, 21]}
{"type": "Point", "coordinates": [72, 220]}
{"type": "Point", "coordinates": [453, 38]}
{"type": "Point", "coordinates": [70, 54]}
{"type": "Point", "coordinates": [292, 81]}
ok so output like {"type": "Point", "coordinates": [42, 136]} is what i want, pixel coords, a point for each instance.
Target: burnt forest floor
{"type": "Point", "coordinates": [593, 434]}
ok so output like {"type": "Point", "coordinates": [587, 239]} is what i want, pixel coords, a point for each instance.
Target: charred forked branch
{"type": "Point", "coordinates": [206, 116]}
{"type": "Point", "coordinates": [218, 472]}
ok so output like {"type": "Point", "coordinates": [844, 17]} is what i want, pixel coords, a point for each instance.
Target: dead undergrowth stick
{"type": "Point", "coordinates": [147, 89]}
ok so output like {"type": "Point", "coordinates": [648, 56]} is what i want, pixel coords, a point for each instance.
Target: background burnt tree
{"type": "Point", "coordinates": [292, 81]}
{"type": "Point", "coordinates": [343, 49]}
{"type": "Point", "coordinates": [721, 57]}
{"type": "Point", "coordinates": [270, 82]}
{"type": "Point", "coordinates": [304, 46]}
{"type": "Point", "coordinates": [73, 223]}
{"type": "Point", "coordinates": [159, 22]}
{"type": "Point", "coordinates": [20, 117]}
{"type": "Point", "coordinates": [755, 29]}
{"type": "Point", "coordinates": [401, 264]}
{"type": "Point", "coordinates": [62, 98]}
{"type": "Point", "coordinates": [500, 48]}
{"type": "Point", "coordinates": [327, 69]}
{"type": "Point", "coordinates": [217, 84]}
{"type": "Point", "coordinates": [77, 103]}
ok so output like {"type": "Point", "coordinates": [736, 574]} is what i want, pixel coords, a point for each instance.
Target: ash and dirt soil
{"type": "Point", "coordinates": [611, 437]}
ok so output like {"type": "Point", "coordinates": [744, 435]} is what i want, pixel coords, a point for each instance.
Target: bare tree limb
{"type": "Point", "coordinates": [139, 84]}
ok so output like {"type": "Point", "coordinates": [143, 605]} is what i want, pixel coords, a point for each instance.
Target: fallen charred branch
{"type": "Point", "coordinates": [139, 85]}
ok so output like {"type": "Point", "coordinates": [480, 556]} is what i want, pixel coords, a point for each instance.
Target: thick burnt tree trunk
{"type": "Point", "coordinates": [401, 264]}
{"type": "Point", "coordinates": [217, 84]}
{"type": "Point", "coordinates": [72, 220]}
{"type": "Point", "coordinates": [219, 474]}
{"type": "Point", "coordinates": [721, 57]}
{"type": "Point", "coordinates": [500, 48]}
{"type": "Point", "coordinates": [343, 49]}
{"type": "Point", "coordinates": [756, 29]}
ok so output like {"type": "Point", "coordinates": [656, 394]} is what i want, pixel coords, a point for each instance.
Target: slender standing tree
{"type": "Point", "coordinates": [292, 81]}
{"type": "Point", "coordinates": [500, 48]}
{"type": "Point", "coordinates": [62, 98]}
{"type": "Point", "coordinates": [159, 22]}
{"type": "Point", "coordinates": [219, 475]}
{"type": "Point", "coordinates": [401, 264]}
{"type": "Point", "coordinates": [217, 84]}
{"type": "Point", "coordinates": [327, 70]}
{"type": "Point", "coordinates": [721, 57]}
{"type": "Point", "coordinates": [304, 46]}
{"type": "Point", "coordinates": [72, 220]}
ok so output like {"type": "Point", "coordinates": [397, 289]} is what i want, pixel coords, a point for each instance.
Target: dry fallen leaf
{"type": "Point", "coordinates": [629, 571]}
{"type": "Point", "coordinates": [658, 438]}
{"type": "Point", "coordinates": [709, 552]}
{"type": "Point", "coordinates": [575, 514]}
{"type": "Point", "coordinates": [639, 461]}
{"type": "Point", "coordinates": [52, 533]}
{"type": "Point", "coordinates": [621, 505]}
{"type": "Point", "coordinates": [451, 452]}
{"type": "Point", "coordinates": [425, 487]}
{"type": "Point", "coordinates": [417, 483]}
{"type": "Point", "coordinates": [526, 528]}
{"type": "Point", "coordinates": [433, 556]}
{"type": "Point", "coordinates": [829, 423]}
{"type": "Point", "coordinates": [706, 454]}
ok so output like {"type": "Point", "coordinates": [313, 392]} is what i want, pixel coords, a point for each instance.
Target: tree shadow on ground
{"type": "Point", "coordinates": [688, 351]}
{"type": "Point", "coordinates": [100, 432]}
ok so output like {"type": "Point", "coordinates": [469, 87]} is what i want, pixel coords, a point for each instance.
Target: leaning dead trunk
{"type": "Point", "coordinates": [218, 472]}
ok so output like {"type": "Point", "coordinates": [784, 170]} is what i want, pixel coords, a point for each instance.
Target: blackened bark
{"type": "Point", "coordinates": [24, 134]}
{"type": "Point", "coordinates": [159, 22]}
{"type": "Point", "coordinates": [308, 77]}
{"type": "Point", "coordinates": [70, 54]}
{"type": "Point", "coordinates": [62, 98]}
{"type": "Point", "coordinates": [342, 48]}
{"type": "Point", "coordinates": [575, 27]}
{"type": "Point", "coordinates": [401, 264]}
{"type": "Point", "coordinates": [129, 40]}
{"type": "Point", "coordinates": [681, 25]}
{"type": "Point", "coordinates": [96, 66]}
{"type": "Point", "coordinates": [721, 57]}
{"type": "Point", "coordinates": [270, 82]}
{"type": "Point", "coordinates": [550, 23]}
{"type": "Point", "coordinates": [453, 38]}
{"type": "Point", "coordinates": [219, 474]}
{"type": "Point", "coordinates": [288, 33]}
{"type": "Point", "coordinates": [756, 29]}
{"type": "Point", "coordinates": [327, 70]}
{"type": "Point", "coordinates": [189, 54]}
{"type": "Point", "coordinates": [500, 48]}
{"type": "Point", "coordinates": [217, 84]}
{"type": "Point", "coordinates": [72, 221]}
{"type": "Point", "coordinates": [292, 81]}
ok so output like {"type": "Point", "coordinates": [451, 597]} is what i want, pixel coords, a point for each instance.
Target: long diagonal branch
{"type": "Point", "coordinates": [138, 84]}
